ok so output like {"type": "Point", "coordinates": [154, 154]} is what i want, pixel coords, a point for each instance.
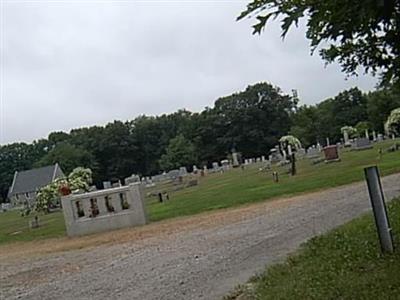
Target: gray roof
{"type": "Point", "coordinates": [31, 180]}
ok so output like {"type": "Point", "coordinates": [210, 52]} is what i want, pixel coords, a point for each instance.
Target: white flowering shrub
{"type": "Point", "coordinates": [351, 131]}
{"type": "Point", "coordinates": [79, 179]}
{"type": "Point", "coordinates": [291, 140]}
{"type": "Point", "coordinates": [392, 125]}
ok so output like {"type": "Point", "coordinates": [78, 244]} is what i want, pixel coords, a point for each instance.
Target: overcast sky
{"type": "Point", "coordinates": [68, 64]}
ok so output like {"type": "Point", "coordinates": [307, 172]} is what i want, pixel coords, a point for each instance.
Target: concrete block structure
{"type": "Point", "coordinates": [104, 210]}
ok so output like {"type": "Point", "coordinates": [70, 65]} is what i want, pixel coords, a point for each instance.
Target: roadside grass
{"type": "Point", "coordinates": [343, 264]}
{"type": "Point", "coordinates": [233, 188]}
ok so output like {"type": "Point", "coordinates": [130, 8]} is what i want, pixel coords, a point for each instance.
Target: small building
{"type": "Point", "coordinates": [26, 183]}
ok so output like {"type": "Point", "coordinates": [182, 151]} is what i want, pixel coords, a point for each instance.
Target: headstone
{"type": "Point", "coordinates": [34, 223]}
{"type": "Point", "coordinates": [313, 152]}
{"type": "Point", "coordinates": [275, 176]}
{"type": "Point", "coordinates": [258, 159]}
{"type": "Point", "coordinates": [116, 184]}
{"type": "Point", "coordinates": [374, 136]}
{"type": "Point", "coordinates": [107, 185]}
{"type": "Point", "coordinates": [195, 170]}
{"type": "Point", "coordinates": [275, 155]}
{"type": "Point", "coordinates": [173, 174]}
{"type": "Point", "coordinates": [331, 153]}
{"type": "Point", "coordinates": [328, 142]}
{"type": "Point", "coordinates": [346, 138]}
{"type": "Point", "coordinates": [5, 206]}
{"type": "Point", "coordinates": [263, 158]}
{"type": "Point", "coordinates": [393, 136]}
{"type": "Point", "coordinates": [159, 178]}
{"type": "Point", "coordinates": [301, 152]}
{"type": "Point", "coordinates": [215, 165]}
{"type": "Point", "coordinates": [319, 147]}
{"type": "Point", "coordinates": [225, 164]}
{"type": "Point", "coordinates": [132, 179]}
{"type": "Point", "coordinates": [284, 154]}
{"type": "Point", "coordinates": [380, 137]}
{"type": "Point", "coordinates": [361, 144]}
{"type": "Point", "coordinates": [182, 171]}
{"type": "Point", "coordinates": [235, 159]}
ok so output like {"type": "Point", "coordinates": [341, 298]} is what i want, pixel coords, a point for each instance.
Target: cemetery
{"type": "Point", "coordinates": [140, 159]}
{"type": "Point", "coordinates": [216, 189]}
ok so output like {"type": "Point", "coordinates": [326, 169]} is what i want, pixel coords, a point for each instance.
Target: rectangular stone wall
{"type": "Point", "coordinates": [104, 210]}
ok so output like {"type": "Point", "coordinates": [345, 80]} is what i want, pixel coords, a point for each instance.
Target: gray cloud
{"type": "Point", "coordinates": [72, 64]}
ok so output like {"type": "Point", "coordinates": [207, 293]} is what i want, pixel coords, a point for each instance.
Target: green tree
{"type": "Point", "coordinates": [180, 152]}
{"type": "Point", "coordinates": [361, 127]}
{"type": "Point", "coordinates": [253, 120]}
{"type": "Point", "coordinates": [380, 104]}
{"type": "Point", "coordinates": [68, 156]}
{"type": "Point", "coordinates": [354, 33]}
{"type": "Point", "coordinates": [13, 157]}
{"type": "Point", "coordinates": [305, 125]}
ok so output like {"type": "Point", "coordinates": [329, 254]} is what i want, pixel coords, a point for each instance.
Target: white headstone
{"type": "Point", "coordinates": [346, 137]}
{"type": "Point", "coordinates": [235, 159]}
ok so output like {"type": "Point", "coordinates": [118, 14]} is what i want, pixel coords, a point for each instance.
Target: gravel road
{"type": "Point", "coordinates": [198, 257]}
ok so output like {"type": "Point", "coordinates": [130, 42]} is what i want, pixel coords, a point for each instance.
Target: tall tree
{"type": "Point", "coordinates": [68, 156]}
{"type": "Point", "coordinates": [306, 125]}
{"type": "Point", "coordinates": [13, 157]}
{"type": "Point", "coordinates": [180, 152]}
{"type": "Point", "coordinates": [380, 104]}
{"type": "Point", "coordinates": [252, 121]}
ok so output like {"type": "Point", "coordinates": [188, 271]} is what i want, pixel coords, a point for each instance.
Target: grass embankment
{"type": "Point", "coordinates": [344, 264]}
{"type": "Point", "coordinates": [235, 187]}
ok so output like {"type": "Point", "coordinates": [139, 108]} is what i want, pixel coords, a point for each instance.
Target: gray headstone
{"type": "Point", "coordinates": [362, 143]}
{"type": "Point", "coordinates": [107, 185]}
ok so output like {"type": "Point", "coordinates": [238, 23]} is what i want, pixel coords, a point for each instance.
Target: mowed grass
{"type": "Point", "coordinates": [233, 188]}
{"type": "Point", "coordinates": [14, 228]}
{"type": "Point", "coordinates": [238, 187]}
{"type": "Point", "coordinates": [344, 264]}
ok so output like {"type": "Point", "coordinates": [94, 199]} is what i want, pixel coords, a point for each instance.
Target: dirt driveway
{"type": "Point", "coordinates": [199, 257]}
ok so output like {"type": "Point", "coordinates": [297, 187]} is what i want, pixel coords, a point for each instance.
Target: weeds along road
{"type": "Point", "coordinates": [198, 257]}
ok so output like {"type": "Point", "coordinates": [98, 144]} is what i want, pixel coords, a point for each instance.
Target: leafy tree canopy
{"type": "Point", "coordinates": [354, 33]}
{"type": "Point", "coordinates": [180, 152]}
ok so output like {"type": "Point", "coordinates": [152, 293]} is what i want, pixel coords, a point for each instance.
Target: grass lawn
{"type": "Point", "coordinates": [344, 264]}
{"type": "Point", "coordinates": [232, 188]}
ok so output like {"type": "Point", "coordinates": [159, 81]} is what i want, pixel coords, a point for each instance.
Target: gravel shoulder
{"type": "Point", "coordinates": [198, 257]}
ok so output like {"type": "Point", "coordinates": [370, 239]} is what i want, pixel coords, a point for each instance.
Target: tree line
{"type": "Point", "coordinates": [250, 121]}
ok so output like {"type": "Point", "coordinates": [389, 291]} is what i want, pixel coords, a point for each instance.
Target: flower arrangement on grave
{"type": "Point", "coordinates": [49, 195]}
{"type": "Point", "coordinates": [351, 131]}
{"type": "Point", "coordinates": [392, 125]}
{"type": "Point", "coordinates": [291, 140]}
